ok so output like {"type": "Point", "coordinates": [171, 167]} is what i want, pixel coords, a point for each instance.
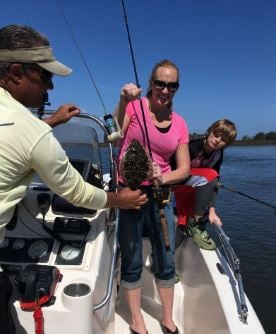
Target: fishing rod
{"type": "Point", "coordinates": [219, 184]}
{"type": "Point", "coordinates": [110, 124]}
{"type": "Point", "coordinates": [157, 189]}
{"type": "Point", "coordinates": [136, 76]}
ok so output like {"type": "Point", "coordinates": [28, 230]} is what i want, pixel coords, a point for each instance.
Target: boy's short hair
{"type": "Point", "coordinates": [225, 128]}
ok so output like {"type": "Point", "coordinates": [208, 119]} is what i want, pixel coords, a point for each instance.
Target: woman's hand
{"type": "Point", "coordinates": [130, 92]}
{"type": "Point", "coordinates": [156, 173]}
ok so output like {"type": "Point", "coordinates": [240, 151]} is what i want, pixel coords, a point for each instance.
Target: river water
{"type": "Point", "coordinates": [252, 226]}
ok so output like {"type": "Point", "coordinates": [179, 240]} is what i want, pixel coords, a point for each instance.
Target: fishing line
{"type": "Point", "coordinates": [81, 55]}
{"type": "Point", "coordinates": [111, 125]}
{"type": "Point", "coordinates": [136, 76]}
{"type": "Point", "coordinates": [247, 196]}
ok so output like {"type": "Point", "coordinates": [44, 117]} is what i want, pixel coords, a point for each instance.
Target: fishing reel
{"type": "Point", "coordinates": [161, 194]}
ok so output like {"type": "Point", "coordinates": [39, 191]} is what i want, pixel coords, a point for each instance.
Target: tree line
{"type": "Point", "coordinates": [258, 137]}
{"type": "Point", "coordinates": [261, 136]}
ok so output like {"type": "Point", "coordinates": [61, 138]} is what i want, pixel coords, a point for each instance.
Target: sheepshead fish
{"type": "Point", "coordinates": [135, 165]}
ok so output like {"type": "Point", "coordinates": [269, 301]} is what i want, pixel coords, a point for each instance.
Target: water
{"type": "Point", "coordinates": [250, 225]}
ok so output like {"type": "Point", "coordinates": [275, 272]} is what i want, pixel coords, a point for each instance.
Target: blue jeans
{"type": "Point", "coordinates": [131, 226]}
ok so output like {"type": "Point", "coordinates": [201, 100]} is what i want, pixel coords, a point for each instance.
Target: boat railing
{"type": "Point", "coordinates": [234, 263]}
{"type": "Point", "coordinates": [108, 292]}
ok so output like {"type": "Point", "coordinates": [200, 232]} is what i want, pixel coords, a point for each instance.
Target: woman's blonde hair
{"type": "Point", "coordinates": [225, 128]}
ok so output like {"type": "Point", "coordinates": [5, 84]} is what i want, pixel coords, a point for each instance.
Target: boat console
{"type": "Point", "coordinates": [63, 250]}
{"type": "Point", "coordinates": [58, 227]}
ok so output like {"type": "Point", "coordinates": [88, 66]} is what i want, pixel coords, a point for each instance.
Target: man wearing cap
{"type": "Point", "coordinates": [27, 144]}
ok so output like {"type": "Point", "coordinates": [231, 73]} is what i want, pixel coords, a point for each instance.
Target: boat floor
{"type": "Point", "coordinates": [152, 314]}
{"type": "Point", "coordinates": [150, 304]}
{"type": "Point", "coordinates": [122, 321]}
{"type": "Point", "coordinates": [204, 301]}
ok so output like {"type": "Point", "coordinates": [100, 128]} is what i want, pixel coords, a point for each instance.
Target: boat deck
{"type": "Point", "coordinates": [151, 310]}
{"type": "Point", "coordinates": [197, 300]}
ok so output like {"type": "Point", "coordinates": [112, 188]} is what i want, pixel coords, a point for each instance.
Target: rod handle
{"type": "Point", "coordinates": [163, 221]}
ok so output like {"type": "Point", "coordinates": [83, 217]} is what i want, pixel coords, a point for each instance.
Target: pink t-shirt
{"type": "Point", "coordinates": [163, 145]}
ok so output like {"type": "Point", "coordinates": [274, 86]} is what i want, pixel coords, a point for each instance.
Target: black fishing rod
{"type": "Point", "coordinates": [136, 76]}
{"type": "Point", "coordinates": [247, 196]}
{"type": "Point", "coordinates": [157, 189]}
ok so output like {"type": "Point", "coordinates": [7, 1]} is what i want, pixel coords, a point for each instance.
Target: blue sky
{"type": "Point", "coordinates": [225, 50]}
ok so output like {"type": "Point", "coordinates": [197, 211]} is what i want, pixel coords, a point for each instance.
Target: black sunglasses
{"type": "Point", "coordinates": [45, 76]}
{"type": "Point", "coordinates": [171, 86]}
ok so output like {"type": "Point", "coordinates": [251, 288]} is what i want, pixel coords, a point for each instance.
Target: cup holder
{"type": "Point", "coordinates": [77, 289]}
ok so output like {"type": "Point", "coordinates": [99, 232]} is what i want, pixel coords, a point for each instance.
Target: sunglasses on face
{"type": "Point", "coordinates": [171, 86]}
{"type": "Point", "coordinates": [45, 76]}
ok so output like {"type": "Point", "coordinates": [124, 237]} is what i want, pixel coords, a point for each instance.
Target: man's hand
{"type": "Point", "coordinates": [62, 115]}
{"type": "Point", "coordinates": [126, 199]}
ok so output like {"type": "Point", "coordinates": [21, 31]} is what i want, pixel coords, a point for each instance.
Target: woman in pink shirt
{"type": "Point", "coordinates": [168, 135]}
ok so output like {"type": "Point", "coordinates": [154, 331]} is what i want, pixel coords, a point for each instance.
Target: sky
{"type": "Point", "coordinates": [225, 51]}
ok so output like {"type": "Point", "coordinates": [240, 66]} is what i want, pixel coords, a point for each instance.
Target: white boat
{"type": "Point", "coordinates": [68, 255]}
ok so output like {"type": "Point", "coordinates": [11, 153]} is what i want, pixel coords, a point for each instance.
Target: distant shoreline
{"type": "Point", "coordinates": [236, 143]}
{"type": "Point", "coordinates": [253, 143]}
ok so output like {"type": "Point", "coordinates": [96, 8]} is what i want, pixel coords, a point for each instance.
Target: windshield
{"type": "Point", "coordinates": [79, 139]}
